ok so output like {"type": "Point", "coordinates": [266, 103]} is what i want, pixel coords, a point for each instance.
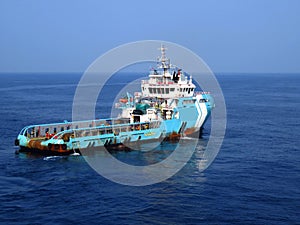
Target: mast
{"type": "Point", "coordinates": [163, 60]}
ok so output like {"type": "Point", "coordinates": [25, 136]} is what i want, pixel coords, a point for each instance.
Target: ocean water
{"type": "Point", "coordinates": [253, 180]}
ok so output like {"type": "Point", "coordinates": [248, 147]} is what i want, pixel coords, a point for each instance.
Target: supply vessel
{"type": "Point", "coordinates": [166, 108]}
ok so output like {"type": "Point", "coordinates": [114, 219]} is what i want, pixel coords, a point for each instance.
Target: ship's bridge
{"type": "Point", "coordinates": [168, 86]}
{"type": "Point", "coordinates": [167, 81]}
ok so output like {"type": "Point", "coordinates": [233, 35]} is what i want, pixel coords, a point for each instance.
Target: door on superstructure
{"type": "Point", "coordinates": [136, 119]}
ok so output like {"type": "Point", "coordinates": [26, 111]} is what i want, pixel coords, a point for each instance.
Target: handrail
{"type": "Point", "coordinates": [105, 127]}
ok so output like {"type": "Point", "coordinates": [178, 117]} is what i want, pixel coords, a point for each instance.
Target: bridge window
{"type": "Point", "coordinates": [158, 90]}
{"type": "Point", "coordinates": [167, 90]}
{"type": "Point", "coordinates": [150, 90]}
{"type": "Point", "coordinates": [109, 131]}
{"type": "Point", "coordinates": [172, 89]}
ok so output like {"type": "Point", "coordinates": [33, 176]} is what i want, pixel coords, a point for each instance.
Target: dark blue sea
{"type": "Point", "coordinates": [254, 179]}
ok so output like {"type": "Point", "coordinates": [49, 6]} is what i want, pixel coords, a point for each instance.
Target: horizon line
{"type": "Point", "coordinates": [66, 72]}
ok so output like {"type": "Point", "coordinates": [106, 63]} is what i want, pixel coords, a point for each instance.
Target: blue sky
{"type": "Point", "coordinates": [230, 35]}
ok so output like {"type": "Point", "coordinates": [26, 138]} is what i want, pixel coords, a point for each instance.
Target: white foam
{"type": "Point", "coordinates": [55, 157]}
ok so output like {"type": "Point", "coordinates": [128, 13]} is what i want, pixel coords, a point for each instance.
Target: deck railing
{"type": "Point", "coordinates": [110, 127]}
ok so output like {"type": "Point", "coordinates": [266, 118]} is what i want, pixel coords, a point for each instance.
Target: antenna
{"type": "Point", "coordinates": [163, 53]}
{"type": "Point", "coordinates": [165, 62]}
